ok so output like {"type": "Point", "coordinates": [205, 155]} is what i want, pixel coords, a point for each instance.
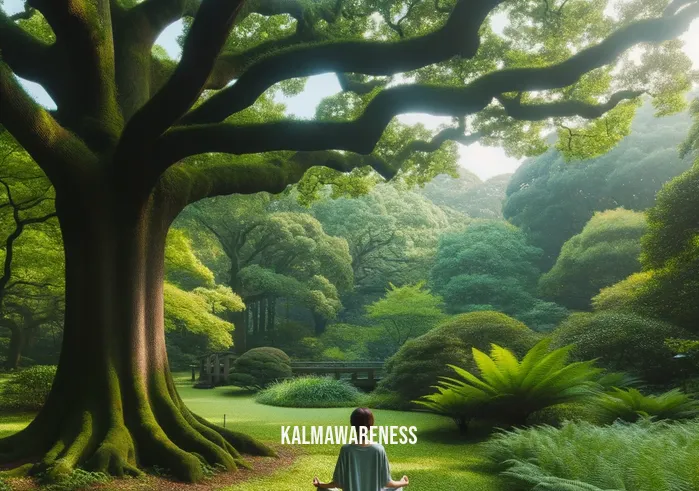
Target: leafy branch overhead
{"type": "Point", "coordinates": [120, 98]}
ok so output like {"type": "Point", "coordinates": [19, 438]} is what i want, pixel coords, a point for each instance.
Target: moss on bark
{"type": "Point", "coordinates": [113, 406]}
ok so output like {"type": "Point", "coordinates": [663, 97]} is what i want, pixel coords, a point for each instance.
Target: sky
{"type": "Point", "coordinates": [485, 162]}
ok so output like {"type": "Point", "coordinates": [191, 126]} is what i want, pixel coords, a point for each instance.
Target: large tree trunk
{"type": "Point", "coordinates": [113, 406]}
{"type": "Point", "coordinates": [14, 352]}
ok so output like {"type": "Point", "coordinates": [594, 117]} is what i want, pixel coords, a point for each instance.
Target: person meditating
{"type": "Point", "coordinates": [363, 466]}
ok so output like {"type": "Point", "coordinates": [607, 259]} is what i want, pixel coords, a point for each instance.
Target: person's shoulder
{"type": "Point", "coordinates": [378, 448]}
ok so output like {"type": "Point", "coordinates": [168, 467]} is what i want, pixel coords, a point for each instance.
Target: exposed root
{"type": "Point", "coordinates": [182, 434]}
{"type": "Point", "coordinates": [116, 455]}
{"type": "Point", "coordinates": [158, 431]}
{"type": "Point", "coordinates": [244, 443]}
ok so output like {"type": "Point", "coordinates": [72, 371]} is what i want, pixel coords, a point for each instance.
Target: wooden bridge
{"type": "Point", "coordinates": [214, 369]}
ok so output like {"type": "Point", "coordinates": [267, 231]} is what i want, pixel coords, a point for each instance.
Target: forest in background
{"type": "Point", "coordinates": [354, 278]}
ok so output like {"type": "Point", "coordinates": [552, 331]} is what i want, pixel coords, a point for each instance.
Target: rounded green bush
{"type": "Point", "coordinates": [622, 341]}
{"type": "Point", "coordinates": [419, 363]}
{"type": "Point", "coordinates": [311, 392]}
{"type": "Point", "coordinates": [27, 390]}
{"type": "Point", "coordinates": [260, 367]}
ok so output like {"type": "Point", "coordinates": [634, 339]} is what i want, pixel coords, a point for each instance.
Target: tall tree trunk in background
{"type": "Point", "coordinates": [14, 352]}
{"type": "Point", "coordinates": [113, 406]}
{"type": "Point", "coordinates": [271, 312]}
{"type": "Point", "coordinates": [263, 314]}
{"type": "Point", "coordinates": [240, 333]}
{"type": "Point", "coordinates": [239, 319]}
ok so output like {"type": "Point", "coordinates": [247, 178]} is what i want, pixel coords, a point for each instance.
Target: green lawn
{"type": "Point", "coordinates": [436, 462]}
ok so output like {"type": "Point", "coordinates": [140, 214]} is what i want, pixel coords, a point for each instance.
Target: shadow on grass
{"type": "Point", "coordinates": [450, 435]}
{"type": "Point", "coordinates": [233, 391]}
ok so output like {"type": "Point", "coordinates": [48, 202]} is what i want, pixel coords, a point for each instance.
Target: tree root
{"type": "Point", "coordinates": [172, 438]}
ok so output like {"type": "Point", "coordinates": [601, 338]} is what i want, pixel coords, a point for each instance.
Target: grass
{"type": "Point", "coordinates": [311, 392]}
{"type": "Point", "coordinates": [436, 462]}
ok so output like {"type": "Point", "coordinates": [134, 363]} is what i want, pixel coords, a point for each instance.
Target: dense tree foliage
{"type": "Point", "coordinates": [490, 266]}
{"type": "Point", "coordinates": [468, 194]}
{"type": "Point", "coordinates": [671, 254]}
{"type": "Point", "coordinates": [392, 236]}
{"type": "Point", "coordinates": [605, 252]}
{"type": "Point", "coordinates": [135, 138]}
{"type": "Point", "coordinates": [270, 255]}
{"type": "Point", "coordinates": [668, 286]}
{"type": "Point", "coordinates": [406, 312]}
{"type": "Point", "coordinates": [31, 253]}
{"type": "Point", "coordinates": [623, 342]}
{"type": "Point", "coordinates": [552, 199]}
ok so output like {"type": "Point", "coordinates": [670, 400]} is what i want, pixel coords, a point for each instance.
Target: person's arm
{"type": "Point", "coordinates": [398, 484]}
{"type": "Point", "coordinates": [325, 485]}
{"type": "Point", "coordinates": [386, 473]}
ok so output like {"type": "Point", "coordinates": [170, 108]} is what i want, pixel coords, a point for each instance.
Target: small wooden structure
{"type": "Point", "coordinates": [362, 374]}
{"type": "Point", "coordinates": [214, 369]}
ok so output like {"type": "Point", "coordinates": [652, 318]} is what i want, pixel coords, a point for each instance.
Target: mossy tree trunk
{"type": "Point", "coordinates": [113, 406]}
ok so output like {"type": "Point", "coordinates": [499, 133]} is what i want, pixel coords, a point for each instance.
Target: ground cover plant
{"type": "Point", "coordinates": [584, 457]}
{"type": "Point", "coordinates": [311, 392]}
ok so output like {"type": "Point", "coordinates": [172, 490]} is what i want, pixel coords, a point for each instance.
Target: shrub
{"type": "Point", "coordinates": [508, 390]}
{"type": "Point", "coordinates": [27, 390]}
{"type": "Point", "coordinates": [260, 367]}
{"type": "Point", "coordinates": [622, 341]}
{"type": "Point", "coordinates": [583, 457]}
{"type": "Point", "coordinates": [630, 405]}
{"type": "Point", "coordinates": [417, 366]}
{"type": "Point", "coordinates": [311, 392]}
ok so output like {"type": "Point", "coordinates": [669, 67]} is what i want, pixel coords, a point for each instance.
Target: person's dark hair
{"type": "Point", "coordinates": [361, 416]}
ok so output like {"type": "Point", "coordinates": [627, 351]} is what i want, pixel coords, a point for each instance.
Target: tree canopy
{"type": "Point", "coordinates": [490, 266]}
{"type": "Point", "coordinates": [406, 312]}
{"type": "Point", "coordinates": [552, 199]}
{"type": "Point", "coordinates": [468, 194]}
{"type": "Point", "coordinates": [605, 252]}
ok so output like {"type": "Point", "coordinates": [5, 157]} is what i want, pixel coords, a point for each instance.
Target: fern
{"type": "Point", "coordinates": [510, 390]}
{"type": "Point", "coordinates": [644, 456]}
{"type": "Point", "coordinates": [631, 405]}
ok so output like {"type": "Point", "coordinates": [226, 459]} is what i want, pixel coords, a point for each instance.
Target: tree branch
{"type": "Point", "coordinates": [161, 13]}
{"type": "Point", "coordinates": [231, 65]}
{"type": "Point", "coordinates": [84, 37]}
{"type": "Point", "coordinates": [537, 112]}
{"type": "Point", "coordinates": [20, 224]}
{"type": "Point", "coordinates": [231, 176]}
{"type": "Point", "coordinates": [26, 55]}
{"type": "Point", "coordinates": [362, 134]}
{"type": "Point", "coordinates": [458, 36]}
{"type": "Point", "coordinates": [53, 148]}
{"type": "Point", "coordinates": [207, 36]}
{"type": "Point", "coordinates": [396, 26]}
{"type": "Point", "coordinates": [348, 84]}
